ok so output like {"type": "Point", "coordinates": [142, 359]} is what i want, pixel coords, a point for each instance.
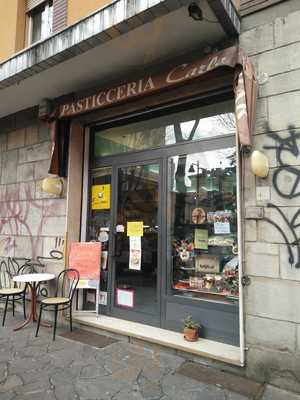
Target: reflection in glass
{"type": "Point", "coordinates": [100, 215]}
{"type": "Point", "coordinates": [191, 125]}
{"type": "Point", "coordinates": [202, 223]}
{"type": "Point", "coordinates": [138, 192]}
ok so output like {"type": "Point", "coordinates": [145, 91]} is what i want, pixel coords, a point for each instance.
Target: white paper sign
{"type": "Point", "coordinates": [221, 228]}
{"type": "Point", "coordinates": [103, 298]}
{"type": "Point", "coordinates": [135, 252]}
{"type": "Point", "coordinates": [125, 298]}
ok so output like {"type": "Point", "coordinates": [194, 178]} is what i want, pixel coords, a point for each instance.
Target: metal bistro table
{"type": "Point", "coordinates": [33, 281]}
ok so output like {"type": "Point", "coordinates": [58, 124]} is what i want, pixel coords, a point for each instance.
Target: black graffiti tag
{"type": "Point", "coordinates": [285, 146]}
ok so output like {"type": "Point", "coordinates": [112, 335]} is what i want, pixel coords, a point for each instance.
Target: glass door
{"type": "Point", "coordinates": [136, 294]}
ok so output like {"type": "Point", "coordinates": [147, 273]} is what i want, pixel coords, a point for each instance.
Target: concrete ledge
{"type": "Point", "coordinates": [203, 348]}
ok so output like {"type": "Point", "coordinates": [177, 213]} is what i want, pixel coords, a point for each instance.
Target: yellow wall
{"type": "Point", "coordinates": [78, 9]}
{"type": "Point", "coordinates": [12, 27]}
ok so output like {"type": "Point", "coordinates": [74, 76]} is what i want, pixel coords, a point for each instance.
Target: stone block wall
{"type": "Point", "coordinates": [272, 251]}
{"type": "Point", "coordinates": [32, 223]}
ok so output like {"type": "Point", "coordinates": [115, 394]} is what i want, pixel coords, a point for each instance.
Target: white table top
{"type": "Point", "coordinates": [26, 278]}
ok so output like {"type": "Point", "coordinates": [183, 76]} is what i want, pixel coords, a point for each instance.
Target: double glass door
{"type": "Point", "coordinates": [125, 217]}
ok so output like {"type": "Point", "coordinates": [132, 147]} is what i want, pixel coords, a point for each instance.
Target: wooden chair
{"type": "Point", "coordinates": [10, 290]}
{"type": "Point", "coordinates": [67, 282]}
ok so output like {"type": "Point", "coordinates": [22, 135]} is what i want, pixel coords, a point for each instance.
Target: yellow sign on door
{"type": "Point", "coordinates": [101, 197]}
{"type": "Point", "coordinates": [135, 228]}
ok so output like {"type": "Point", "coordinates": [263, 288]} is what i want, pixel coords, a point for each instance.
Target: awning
{"type": "Point", "coordinates": [244, 86]}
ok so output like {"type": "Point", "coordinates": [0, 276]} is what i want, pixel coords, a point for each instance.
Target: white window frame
{"type": "Point", "coordinates": [30, 13]}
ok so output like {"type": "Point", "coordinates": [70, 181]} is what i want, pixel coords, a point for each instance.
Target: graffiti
{"type": "Point", "coordinates": [16, 221]}
{"type": "Point", "coordinates": [286, 146]}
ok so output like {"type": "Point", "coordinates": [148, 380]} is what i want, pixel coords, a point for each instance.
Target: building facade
{"type": "Point", "coordinates": [137, 121]}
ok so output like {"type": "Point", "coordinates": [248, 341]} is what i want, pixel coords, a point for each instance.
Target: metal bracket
{"type": "Point", "coordinates": [246, 280]}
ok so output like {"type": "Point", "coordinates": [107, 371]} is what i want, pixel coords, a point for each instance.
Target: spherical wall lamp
{"type": "Point", "coordinates": [52, 185]}
{"type": "Point", "coordinates": [259, 164]}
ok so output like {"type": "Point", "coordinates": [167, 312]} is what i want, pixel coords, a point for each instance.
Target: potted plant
{"type": "Point", "coordinates": [190, 331]}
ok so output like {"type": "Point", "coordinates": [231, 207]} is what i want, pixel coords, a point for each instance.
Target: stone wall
{"type": "Point", "coordinates": [272, 300]}
{"type": "Point", "coordinates": [32, 223]}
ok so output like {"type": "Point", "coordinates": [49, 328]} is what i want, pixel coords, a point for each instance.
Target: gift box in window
{"type": "Point", "coordinates": [206, 263]}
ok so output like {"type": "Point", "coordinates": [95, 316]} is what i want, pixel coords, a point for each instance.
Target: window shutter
{"type": "Point", "coordinates": [59, 15]}
{"type": "Point", "coordinates": [251, 6]}
{"type": "Point", "coordinates": [30, 4]}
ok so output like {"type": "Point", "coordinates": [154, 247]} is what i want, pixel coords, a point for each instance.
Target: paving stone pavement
{"type": "Point", "coordinates": [40, 369]}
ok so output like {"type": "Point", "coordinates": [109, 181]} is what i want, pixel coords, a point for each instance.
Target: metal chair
{"type": "Point", "coordinates": [10, 290]}
{"type": "Point", "coordinates": [67, 282]}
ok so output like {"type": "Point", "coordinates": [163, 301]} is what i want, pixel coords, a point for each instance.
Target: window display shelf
{"type": "Point", "coordinates": [225, 294]}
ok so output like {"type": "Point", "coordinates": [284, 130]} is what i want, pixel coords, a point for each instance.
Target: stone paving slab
{"type": "Point", "coordinates": [273, 393]}
{"type": "Point", "coordinates": [226, 380]}
{"type": "Point", "coordinates": [40, 369]}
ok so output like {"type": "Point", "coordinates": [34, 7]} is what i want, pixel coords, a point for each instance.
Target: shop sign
{"type": "Point", "coordinates": [86, 258]}
{"type": "Point", "coordinates": [150, 83]}
{"type": "Point", "coordinates": [101, 197]}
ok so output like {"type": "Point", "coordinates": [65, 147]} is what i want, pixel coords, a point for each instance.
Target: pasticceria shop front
{"type": "Point", "coordinates": [161, 191]}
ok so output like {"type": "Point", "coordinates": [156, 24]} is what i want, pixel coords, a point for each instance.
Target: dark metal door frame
{"type": "Point", "coordinates": [112, 309]}
{"type": "Point", "coordinates": [145, 157]}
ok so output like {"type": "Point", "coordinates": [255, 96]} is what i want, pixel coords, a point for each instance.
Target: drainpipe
{"type": "Point", "coordinates": [240, 165]}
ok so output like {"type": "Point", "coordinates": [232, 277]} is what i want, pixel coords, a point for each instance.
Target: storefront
{"type": "Point", "coordinates": [161, 193]}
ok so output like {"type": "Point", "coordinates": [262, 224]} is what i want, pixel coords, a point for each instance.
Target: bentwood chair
{"type": "Point", "coordinates": [10, 290]}
{"type": "Point", "coordinates": [67, 282]}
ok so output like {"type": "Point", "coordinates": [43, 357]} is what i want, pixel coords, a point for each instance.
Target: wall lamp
{"type": "Point", "coordinates": [52, 185]}
{"type": "Point", "coordinates": [195, 12]}
{"type": "Point", "coordinates": [259, 164]}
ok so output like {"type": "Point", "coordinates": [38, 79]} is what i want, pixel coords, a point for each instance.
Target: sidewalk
{"type": "Point", "coordinates": [39, 369]}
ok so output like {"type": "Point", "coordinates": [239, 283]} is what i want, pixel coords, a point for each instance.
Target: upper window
{"type": "Point", "coordinates": [195, 124]}
{"type": "Point", "coordinates": [40, 22]}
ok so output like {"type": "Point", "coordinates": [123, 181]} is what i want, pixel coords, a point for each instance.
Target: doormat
{"type": "Point", "coordinates": [90, 338]}
{"type": "Point", "coordinates": [243, 386]}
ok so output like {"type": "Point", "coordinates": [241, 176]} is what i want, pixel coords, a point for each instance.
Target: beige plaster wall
{"type": "Point", "coordinates": [12, 27]}
{"type": "Point", "coordinates": [80, 9]}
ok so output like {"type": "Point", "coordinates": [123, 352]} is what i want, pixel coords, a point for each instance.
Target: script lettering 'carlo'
{"type": "Point", "coordinates": [143, 86]}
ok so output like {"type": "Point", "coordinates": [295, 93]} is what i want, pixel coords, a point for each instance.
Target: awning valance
{"type": "Point", "coordinates": [244, 86]}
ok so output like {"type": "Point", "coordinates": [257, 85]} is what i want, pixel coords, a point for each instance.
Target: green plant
{"type": "Point", "coordinates": [189, 323]}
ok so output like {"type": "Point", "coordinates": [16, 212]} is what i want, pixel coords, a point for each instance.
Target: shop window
{"type": "Point", "coordinates": [40, 22]}
{"type": "Point", "coordinates": [100, 222]}
{"type": "Point", "coordinates": [202, 224]}
{"type": "Point", "coordinates": [190, 125]}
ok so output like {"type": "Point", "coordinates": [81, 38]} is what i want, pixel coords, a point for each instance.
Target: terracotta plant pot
{"type": "Point", "coordinates": [190, 335]}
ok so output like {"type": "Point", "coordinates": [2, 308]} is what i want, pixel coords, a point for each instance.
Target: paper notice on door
{"type": "Point", "coordinates": [135, 252]}
{"type": "Point", "coordinates": [125, 298]}
{"type": "Point", "coordinates": [135, 228]}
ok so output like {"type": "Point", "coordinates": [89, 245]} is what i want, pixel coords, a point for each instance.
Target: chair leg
{"type": "Point", "coordinates": [24, 306]}
{"type": "Point", "coordinates": [39, 321]}
{"type": "Point", "coordinates": [71, 324]}
{"type": "Point", "coordinates": [55, 321]}
{"type": "Point", "coordinates": [13, 304]}
{"type": "Point", "coordinates": [5, 310]}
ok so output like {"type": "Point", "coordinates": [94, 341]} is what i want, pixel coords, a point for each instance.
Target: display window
{"type": "Point", "coordinates": [163, 203]}
{"type": "Point", "coordinates": [202, 224]}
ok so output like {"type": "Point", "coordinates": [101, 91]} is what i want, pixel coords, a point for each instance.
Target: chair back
{"type": "Point", "coordinates": [24, 269]}
{"type": "Point", "coordinates": [67, 282]}
{"type": "Point", "coordinates": [15, 264]}
{"type": "Point", "coordinates": [5, 276]}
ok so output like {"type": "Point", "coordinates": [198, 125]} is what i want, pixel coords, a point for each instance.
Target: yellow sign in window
{"type": "Point", "coordinates": [101, 197]}
{"type": "Point", "coordinates": [135, 228]}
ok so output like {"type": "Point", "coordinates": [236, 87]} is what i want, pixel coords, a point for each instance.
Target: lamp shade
{"type": "Point", "coordinates": [259, 164]}
{"type": "Point", "coordinates": [52, 185]}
